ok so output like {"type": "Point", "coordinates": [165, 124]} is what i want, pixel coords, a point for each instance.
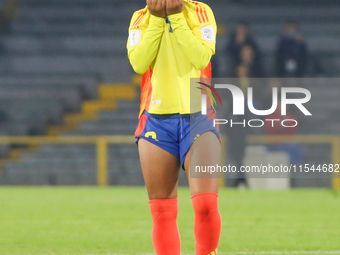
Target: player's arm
{"type": "Point", "coordinates": [143, 43]}
{"type": "Point", "coordinates": [199, 43]}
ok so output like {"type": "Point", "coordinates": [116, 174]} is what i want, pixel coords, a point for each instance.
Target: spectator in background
{"type": "Point", "coordinates": [238, 39]}
{"type": "Point", "coordinates": [291, 53]}
{"type": "Point", "coordinates": [7, 14]}
{"type": "Point", "coordinates": [253, 63]}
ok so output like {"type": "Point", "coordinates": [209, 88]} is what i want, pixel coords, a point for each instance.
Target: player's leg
{"type": "Point", "coordinates": [205, 151]}
{"type": "Point", "coordinates": [160, 170]}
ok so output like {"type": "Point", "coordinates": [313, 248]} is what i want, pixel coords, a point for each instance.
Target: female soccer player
{"type": "Point", "coordinates": [171, 41]}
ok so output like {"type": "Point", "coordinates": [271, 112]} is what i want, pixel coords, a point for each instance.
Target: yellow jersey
{"type": "Point", "coordinates": [168, 52]}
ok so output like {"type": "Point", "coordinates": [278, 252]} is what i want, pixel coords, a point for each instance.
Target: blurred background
{"type": "Point", "coordinates": [69, 100]}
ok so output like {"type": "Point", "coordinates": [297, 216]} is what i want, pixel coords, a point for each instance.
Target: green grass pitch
{"type": "Point", "coordinates": [116, 221]}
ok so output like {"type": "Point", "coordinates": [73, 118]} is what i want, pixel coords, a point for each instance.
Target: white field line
{"type": "Point", "coordinates": [266, 253]}
{"type": "Point", "coordinates": [281, 253]}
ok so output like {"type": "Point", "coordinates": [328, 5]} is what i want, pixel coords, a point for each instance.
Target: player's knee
{"type": "Point", "coordinates": [164, 209]}
{"type": "Point", "coordinates": [205, 203]}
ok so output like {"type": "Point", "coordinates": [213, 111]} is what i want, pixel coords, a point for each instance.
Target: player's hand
{"type": "Point", "coordinates": [157, 7]}
{"type": "Point", "coordinates": [174, 6]}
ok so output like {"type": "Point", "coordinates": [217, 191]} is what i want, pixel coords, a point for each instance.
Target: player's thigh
{"type": "Point", "coordinates": [205, 151]}
{"type": "Point", "coordinates": [160, 170]}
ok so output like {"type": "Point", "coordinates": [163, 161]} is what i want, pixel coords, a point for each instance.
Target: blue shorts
{"type": "Point", "coordinates": [175, 133]}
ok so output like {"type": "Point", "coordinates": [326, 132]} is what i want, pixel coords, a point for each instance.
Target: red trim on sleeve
{"type": "Point", "coordinates": [134, 23]}
{"type": "Point", "coordinates": [206, 15]}
{"type": "Point", "coordinates": [139, 20]}
{"type": "Point", "coordinates": [201, 11]}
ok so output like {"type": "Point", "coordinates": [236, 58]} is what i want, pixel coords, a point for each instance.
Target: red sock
{"type": "Point", "coordinates": [165, 235]}
{"type": "Point", "coordinates": [207, 223]}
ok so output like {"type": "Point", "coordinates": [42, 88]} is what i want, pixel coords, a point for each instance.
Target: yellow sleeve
{"type": "Point", "coordinates": [144, 39]}
{"type": "Point", "coordinates": [200, 41]}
